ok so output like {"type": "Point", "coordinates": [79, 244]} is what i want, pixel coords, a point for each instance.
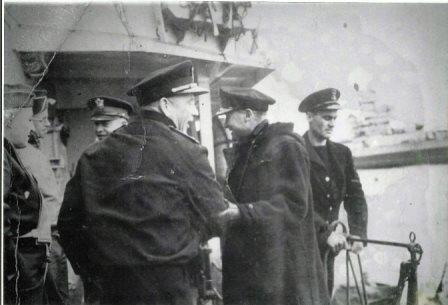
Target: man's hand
{"type": "Point", "coordinates": [337, 241]}
{"type": "Point", "coordinates": [231, 213]}
{"type": "Point", "coordinates": [356, 246]}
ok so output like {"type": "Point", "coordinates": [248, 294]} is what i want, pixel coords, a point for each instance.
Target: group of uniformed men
{"type": "Point", "coordinates": [144, 197]}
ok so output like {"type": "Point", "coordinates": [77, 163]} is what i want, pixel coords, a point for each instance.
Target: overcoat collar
{"type": "Point", "coordinates": [254, 135]}
{"type": "Point", "coordinates": [249, 143]}
{"type": "Point", "coordinates": [262, 131]}
{"type": "Point", "coordinates": [232, 153]}
{"type": "Point", "coordinates": [259, 129]}
{"type": "Point", "coordinates": [156, 116]}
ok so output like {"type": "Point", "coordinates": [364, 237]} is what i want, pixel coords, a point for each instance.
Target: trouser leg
{"type": "Point", "coordinates": [56, 283]}
{"type": "Point", "coordinates": [26, 284]}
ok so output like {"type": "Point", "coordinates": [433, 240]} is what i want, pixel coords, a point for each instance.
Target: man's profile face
{"type": "Point", "coordinates": [18, 126]}
{"type": "Point", "coordinates": [104, 128]}
{"type": "Point", "coordinates": [237, 122]}
{"type": "Point", "coordinates": [322, 123]}
{"type": "Point", "coordinates": [183, 108]}
{"type": "Point", "coordinates": [41, 123]}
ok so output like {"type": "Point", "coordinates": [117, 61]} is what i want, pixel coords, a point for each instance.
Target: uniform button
{"type": "Point", "coordinates": [251, 206]}
{"type": "Point", "coordinates": [331, 209]}
{"type": "Point", "coordinates": [328, 195]}
{"type": "Point", "coordinates": [327, 178]}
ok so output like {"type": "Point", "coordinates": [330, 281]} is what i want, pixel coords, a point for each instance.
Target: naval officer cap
{"type": "Point", "coordinates": [238, 98]}
{"type": "Point", "coordinates": [326, 99]}
{"type": "Point", "coordinates": [170, 81]}
{"type": "Point", "coordinates": [105, 108]}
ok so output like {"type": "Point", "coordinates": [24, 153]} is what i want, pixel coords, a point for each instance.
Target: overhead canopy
{"type": "Point", "coordinates": [136, 65]}
{"type": "Point", "coordinates": [116, 28]}
{"type": "Point", "coordinates": [100, 47]}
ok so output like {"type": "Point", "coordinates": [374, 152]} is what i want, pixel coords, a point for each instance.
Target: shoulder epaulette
{"type": "Point", "coordinates": [184, 134]}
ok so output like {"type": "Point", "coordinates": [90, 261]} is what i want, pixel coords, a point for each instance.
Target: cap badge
{"type": "Point", "coordinates": [333, 95]}
{"type": "Point", "coordinates": [99, 102]}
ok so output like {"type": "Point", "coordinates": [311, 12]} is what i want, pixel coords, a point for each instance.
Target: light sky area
{"type": "Point", "coordinates": [396, 53]}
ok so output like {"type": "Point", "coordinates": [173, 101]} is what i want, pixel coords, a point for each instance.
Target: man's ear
{"type": "Point", "coordinates": [249, 113]}
{"type": "Point", "coordinates": [309, 116]}
{"type": "Point", "coordinates": [163, 105]}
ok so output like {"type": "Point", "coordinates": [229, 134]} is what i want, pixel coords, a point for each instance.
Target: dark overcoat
{"type": "Point", "coordinates": [143, 197]}
{"type": "Point", "coordinates": [22, 200]}
{"type": "Point", "coordinates": [270, 254]}
{"type": "Point", "coordinates": [24, 258]}
{"type": "Point", "coordinates": [330, 190]}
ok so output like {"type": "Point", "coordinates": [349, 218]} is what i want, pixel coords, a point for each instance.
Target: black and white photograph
{"type": "Point", "coordinates": [224, 153]}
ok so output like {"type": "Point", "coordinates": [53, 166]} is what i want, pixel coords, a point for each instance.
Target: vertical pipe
{"type": "Point", "coordinates": [205, 114]}
{"type": "Point", "coordinates": [348, 276]}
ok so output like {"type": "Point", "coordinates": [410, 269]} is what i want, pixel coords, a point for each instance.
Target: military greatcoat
{"type": "Point", "coordinates": [270, 254]}
{"type": "Point", "coordinates": [142, 198]}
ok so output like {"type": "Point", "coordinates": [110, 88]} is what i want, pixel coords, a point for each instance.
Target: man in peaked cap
{"type": "Point", "coordinates": [142, 200]}
{"type": "Point", "coordinates": [24, 256]}
{"type": "Point", "coordinates": [270, 252]}
{"type": "Point", "coordinates": [333, 177]}
{"type": "Point", "coordinates": [38, 164]}
{"type": "Point", "coordinates": [171, 91]}
{"type": "Point", "coordinates": [109, 114]}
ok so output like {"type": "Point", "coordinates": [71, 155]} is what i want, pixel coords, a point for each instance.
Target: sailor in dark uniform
{"type": "Point", "coordinates": [142, 200]}
{"type": "Point", "coordinates": [109, 114]}
{"type": "Point", "coordinates": [333, 176]}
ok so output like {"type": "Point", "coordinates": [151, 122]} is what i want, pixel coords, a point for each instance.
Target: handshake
{"type": "Point", "coordinates": [338, 241]}
{"type": "Point", "coordinates": [231, 213]}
